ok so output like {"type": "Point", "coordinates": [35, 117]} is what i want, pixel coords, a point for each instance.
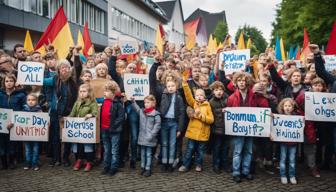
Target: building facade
{"type": "Point", "coordinates": [17, 16]}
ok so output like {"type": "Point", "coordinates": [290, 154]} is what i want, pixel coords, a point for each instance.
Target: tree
{"type": "Point", "coordinates": [259, 43]}
{"type": "Point", "coordinates": [221, 31]}
{"type": "Point", "coordinates": [292, 16]}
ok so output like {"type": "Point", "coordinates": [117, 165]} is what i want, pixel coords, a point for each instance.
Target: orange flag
{"type": "Point", "coordinates": [88, 46]}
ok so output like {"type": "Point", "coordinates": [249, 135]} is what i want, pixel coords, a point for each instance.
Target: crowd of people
{"type": "Point", "coordinates": [188, 96]}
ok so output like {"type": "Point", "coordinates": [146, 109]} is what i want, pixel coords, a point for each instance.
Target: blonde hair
{"type": "Point", "coordinates": [90, 92]}
{"type": "Point", "coordinates": [101, 65]}
{"type": "Point", "coordinates": [282, 103]}
{"type": "Point", "coordinates": [112, 86]}
{"type": "Point", "coordinates": [150, 98]}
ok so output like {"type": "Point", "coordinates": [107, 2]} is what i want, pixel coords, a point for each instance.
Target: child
{"type": "Point", "coordinates": [221, 141]}
{"type": "Point", "coordinates": [287, 106]}
{"type": "Point", "coordinates": [86, 76]}
{"type": "Point", "coordinates": [87, 107]}
{"type": "Point", "coordinates": [102, 71]}
{"type": "Point", "coordinates": [90, 66]}
{"type": "Point", "coordinates": [112, 118]}
{"type": "Point", "coordinates": [198, 131]}
{"type": "Point", "coordinates": [150, 124]}
{"type": "Point", "coordinates": [32, 147]}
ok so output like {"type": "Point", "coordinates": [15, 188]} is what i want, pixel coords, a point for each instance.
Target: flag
{"type": "Point", "coordinates": [28, 44]}
{"type": "Point", "coordinates": [212, 45]}
{"type": "Point", "coordinates": [58, 34]}
{"type": "Point", "coordinates": [277, 49]}
{"type": "Point", "coordinates": [190, 29]}
{"type": "Point", "coordinates": [228, 41]}
{"type": "Point", "coordinates": [249, 43]}
{"type": "Point", "coordinates": [305, 47]}
{"type": "Point", "coordinates": [291, 53]}
{"type": "Point", "coordinates": [331, 47]}
{"type": "Point", "coordinates": [298, 53]}
{"type": "Point", "coordinates": [220, 46]}
{"type": "Point", "coordinates": [282, 48]}
{"type": "Point", "coordinates": [88, 46]}
{"type": "Point", "coordinates": [159, 40]}
{"type": "Point", "coordinates": [241, 43]}
{"type": "Point", "coordinates": [80, 40]}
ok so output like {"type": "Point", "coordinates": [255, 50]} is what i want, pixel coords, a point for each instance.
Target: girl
{"type": "Point", "coordinates": [11, 98]}
{"type": "Point", "coordinates": [150, 124]}
{"type": "Point", "coordinates": [90, 65]}
{"type": "Point", "coordinates": [32, 147]}
{"type": "Point", "coordinates": [86, 76]}
{"type": "Point", "coordinates": [198, 131]}
{"type": "Point", "coordinates": [287, 106]}
{"type": "Point", "coordinates": [87, 107]}
{"type": "Point", "coordinates": [102, 71]}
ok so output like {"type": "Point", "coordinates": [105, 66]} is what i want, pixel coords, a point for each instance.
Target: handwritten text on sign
{"type": "Point", "coordinates": [128, 47]}
{"type": "Point", "coordinates": [234, 60]}
{"type": "Point", "coordinates": [247, 121]}
{"type": "Point", "coordinates": [136, 85]}
{"type": "Point", "coordinates": [5, 119]}
{"type": "Point", "coordinates": [287, 128]}
{"type": "Point", "coordinates": [330, 62]}
{"type": "Point", "coordinates": [79, 130]}
{"type": "Point", "coordinates": [30, 126]}
{"type": "Point", "coordinates": [30, 73]}
{"type": "Point", "coordinates": [320, 106]}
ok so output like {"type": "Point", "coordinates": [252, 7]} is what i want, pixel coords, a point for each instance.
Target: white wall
{"type": "Point", "coordinates": [176, 22]}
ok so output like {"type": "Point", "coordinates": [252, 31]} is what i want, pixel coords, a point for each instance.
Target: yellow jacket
{"type": "Point", "coordinates": [199, 126]}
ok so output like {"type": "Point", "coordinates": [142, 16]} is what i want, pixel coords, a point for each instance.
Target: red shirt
{"type": "Point", "coordinates": [105, 114]}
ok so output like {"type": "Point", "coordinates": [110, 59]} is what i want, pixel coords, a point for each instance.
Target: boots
{"type": "Point", "coordinates": [4, 162]}
{"type": "Point", "coordinates": [12, 163]}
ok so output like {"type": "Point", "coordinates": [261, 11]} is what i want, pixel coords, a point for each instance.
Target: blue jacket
{"type": "Point", "coordinates": [14, 101]}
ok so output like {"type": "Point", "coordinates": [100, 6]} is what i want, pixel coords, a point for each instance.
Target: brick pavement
{"type": "Point", "coordinates": [65, 179]}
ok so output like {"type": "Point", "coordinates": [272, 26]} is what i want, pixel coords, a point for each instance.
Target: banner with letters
{"type": "Point", "coordinates": [128, 47]}
{"type": "Point", "coordinates": [5, 119]}
{"type": "Point", "coordinates": [287, 128]}
{"type": "Point", "coordinates": [234, 60]}
{"type": "Point", "coordinates": [136, 85]}
{"type": "Point", "coordinates": [30, 73]}
{"type": "Point", "coordinates": [79, 130]}
{"type": "Point", "coordinates": [320, 106]}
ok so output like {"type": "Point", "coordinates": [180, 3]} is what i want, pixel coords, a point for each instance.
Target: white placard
{"type": "Point", "coordinates": [5, 119]}
{"type": "Point", "coordinates": [30, 73]}
{"type": "Point", "coordinates": [128, 47]}
{"type": "Point", "coordinates": [330, 62]}
{"type": "Point", "coordinates": [320, 106]}
{"type": "Point", "coordinates": [234, 60]}
{"type": "Point", "coordinates": [287, 128]}
{"type": "Point", "coordinates": [136, 85]}
{"type": "Point", "coordinates": [79, 130]}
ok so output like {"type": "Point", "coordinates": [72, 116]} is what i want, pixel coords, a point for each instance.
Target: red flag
{"type": "Point", "coordinates": [88, 47]}
{"type": "Point", "coordinates": [298, 54]}
{"type": "Point", "coordinates": [331, 47]}
{"type": "Point", "coordinates": [305, 49]}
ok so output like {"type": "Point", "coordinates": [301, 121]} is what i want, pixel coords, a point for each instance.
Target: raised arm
{"type": "Point", "coordinates": [321, 70]}
{"type": "Point", "coordinates": [276, 78]}
{"type": "Point", "coordinates": [188, 95]}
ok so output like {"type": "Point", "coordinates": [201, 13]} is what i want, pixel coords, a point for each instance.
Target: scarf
{"type": "Point", "coordinates": [149, 110]}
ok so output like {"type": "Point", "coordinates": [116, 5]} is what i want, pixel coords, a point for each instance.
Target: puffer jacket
{"type": "Point", "coordinates": [253, 100]}
{"type": "Point", "coordinates": [80, 108]}
{"type": "Point", "coordinates": [117, 112]}
{"type": "Point", "coordinates": [198, 127]}
{"type": "Point", "coordinates": [217, 105]}
{"type": "Point", "coordinates": [149, 126]}
{"type": "Point", "coordinates": [16, 100]}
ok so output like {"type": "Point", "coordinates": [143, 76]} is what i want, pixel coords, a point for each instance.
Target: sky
{"type": "Point", "coordinates": [258, 13]}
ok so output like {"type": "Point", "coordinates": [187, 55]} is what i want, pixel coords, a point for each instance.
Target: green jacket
{"type": "Point", "coordinates": [80, 109]}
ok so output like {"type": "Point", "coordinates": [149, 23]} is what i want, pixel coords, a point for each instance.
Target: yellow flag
{"type": "Point", "coordinates": [210, 43]}
{"type": "Point", "coordinates": [241, 43]}
{"type": "Point", "coordinates": [159, 41]}
{"type": "Point", "coordinates": [283, 53]}
{"type": "Point", "coordinates": [80, 40]}
{"type": "Point", "coordinates": [28, 44]}
{"type": "Point", "coordinates": [249, 43]}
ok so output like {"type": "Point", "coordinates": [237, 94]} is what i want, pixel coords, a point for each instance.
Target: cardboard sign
{"type": "Point", "coordinates": [247, 121]}
{"type": "Point", "coordinates": [330, 62]}
{"type": "Point", "coordinates": [79, 130]}
{"type": "Point", "coordinates": [128, 47]}
{"type": "Point", "coordinates": [98, 87]}
{"type": "Point", "coordinates": [5, 119]}
{"type": "Point", "coordinates": [287, 128]}
{"type": "Point", "coordinates": [148, 61]}
{"type": "Point", "coordinates": [320, 106]}
{"type": "Point", "coordinates": [234, 60]}
{"type": "Point", "coordinates": [30, 126]}
{"type": "Point", "coordinates": [30, 73]}
{"type": "Point", "coordinates": [136, 85]}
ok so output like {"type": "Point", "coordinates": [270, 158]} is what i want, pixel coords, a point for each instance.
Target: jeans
{"type": "Point", "coordinates": [290, 151]}
{"type": "Point", "coordinates": [242, 154]}
{"type": "Point", "coordinates": [32, 153]}
{"type": "Point", "coordinates": [220, 151]}
{"type": "Point", "coordinates": [200, 147]}
{"type": "Point", "coordinates": [168, 140]}
{"type": "Point", "coordinates": [133, 119]}
{"type": "Point", "coordinates": [310, 153]}
{"type": "Point", "coordinates": [146, 157]}
{"type": "Point", "coordinates": [111, 143]}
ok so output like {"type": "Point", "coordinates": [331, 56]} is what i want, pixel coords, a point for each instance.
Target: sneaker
{"type": "Point", "coordinates": [26, 167]}
{"type": "Point", "coordinates": [315, 173]}
{"type": "Point", "coordinates": [77, 165]}
{"type": "Point", "coordinates": [182, 169]}
{"type": "Point", "coordinates": [113, 172]}
{"type": "Point", "coordinates": [132, 164]}
{"type": "Point", "coordinates": [237, 179]}
{"type": "Point", "coordinates": [105, 171]}
{"type": "Point", "coordinates": [198, 168]}
{"type": "Point", "coordinates": [247, 177]}
{"type": "Point", "coordinates": [51, 163]}
{"type": "Point", "coordinates": [147, 173]}
{"type": "Point", "coordinates": [293, 180]}
{"type": "Point", "coordinates": [269, 169]}
{"type": "Point", "coordinates": [142, 171]}
{"type": "Point", "coordinates": [284, 180]}
{"type": "Point", "coordinates": [36, 168]}
{"type": "Point", "coordinates": [88, 167]}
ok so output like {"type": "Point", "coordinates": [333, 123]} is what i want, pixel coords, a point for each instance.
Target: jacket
{"type": "Point", "coordinates": [324, 74]}
{"type": "Point", "coordinates": [179, 108]}
{"type": "Point", "coordinates": [16, 100]}
{"type": "Point", "coordinates": [80, 109]}
{"type": "Point", "coordinates": [198, 127]}
{"type": "Point", "coordinates": [36, 108]}
{"type": "Point", "coordinates": [113, 73]}
{"type": "Point", "coordinates": [117, 115]}
{"type": "Point", "coordinates": [253, 100]}
{"type": "Point", "coordinates": [217, 105]}
{"type": "Point", "coordinates": [149, 126]}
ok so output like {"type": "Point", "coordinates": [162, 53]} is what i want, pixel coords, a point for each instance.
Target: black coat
{"type": "Point", "coordinates": [217, 106]}
{"type": "Point", "coordinates": [117, 115]}
{"type": "Point", "coordinates": [324, 74]}
{"type": "Point", "coordinates": [179, 108]}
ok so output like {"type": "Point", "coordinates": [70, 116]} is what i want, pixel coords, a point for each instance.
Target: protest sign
{"type": "Point", "coordinates": [234, 60]}
{"type": "Point", "coordinates": [79, 130]}
{"type": "Point", "coordinates": [247, 121]}
{"type": "Point", "coordinates": [30, 126]}
{"type": "Point", "coordinates": [287, 128]}
{"type": "Point", "coordinates": [98, 87]}
{"type": "Point", "coordinates": [136, 85]}
{"type": "Point", "coordinates": [30, 73]}
{"type": "Point", "coordinates": [330, 62]}
{"type": "Point", "coordinates": [128, 47]}
{"type": "Point", "coordinates": [5, 119]}
{"type": "Point", "coordinates": [149, 61]}
{"type": "Point", "coordinates": [320, 106]}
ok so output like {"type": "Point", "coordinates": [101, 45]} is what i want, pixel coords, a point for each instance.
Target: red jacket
{"type": "Point", "coordinates": [253, 100]}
